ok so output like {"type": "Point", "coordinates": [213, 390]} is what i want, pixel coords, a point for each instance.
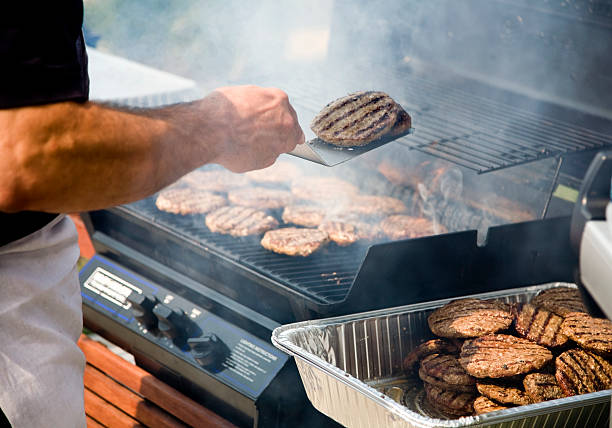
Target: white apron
{"type": "Point", "coordinates": [41, 367]}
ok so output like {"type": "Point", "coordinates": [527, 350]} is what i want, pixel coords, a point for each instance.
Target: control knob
{"type": "Point", "coordinates": [209, 351]}
{"type": "Point", "coordinates": [172, 323]}
{"type": "Point", "coordinates": [142, 308]}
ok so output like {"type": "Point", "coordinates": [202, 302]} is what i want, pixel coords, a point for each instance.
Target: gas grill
{"type": "Point", "coordinates": [495, 159]}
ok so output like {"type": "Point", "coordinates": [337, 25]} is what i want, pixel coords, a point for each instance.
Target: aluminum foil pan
{"type": "Point", "coordinates": [351, 369]}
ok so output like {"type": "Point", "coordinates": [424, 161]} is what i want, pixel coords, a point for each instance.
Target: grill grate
{"type": "Point", "coordinates": [325, 276]}
{"type": "Point", "coordinates": [459, 126]}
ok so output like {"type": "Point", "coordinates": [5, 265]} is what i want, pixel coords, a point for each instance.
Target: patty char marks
{"type": "Point", "coordinates": [304, 215]}
{"type": "Point", "coordinates": [240, 221]}
{"type": "Point", "coordinates": [502, 393]}
{"type": "Point", "coordinates": [451, 402]}
{"type": "Point", "coordinates": [294, 241]}
{"type": "Point", "coordinates": [215, 180]}
{"type": "Point", "coordinates": [323, 189]}
{"type": "Point", "coordinates": [408, 227]}
{"type": "Point", "coordinates": [433, 346]}
{"type": "Point", "coordinates": [360, 118]}
{"type": "Point", "coordinates": [188, 200]}
{"type": "Point", "coordinates": [501, 355]}
{"type": "Point", "coordinates": [581, 372]}
{"type": "Point", "coordinates": [342, 233]}
{"type": "Point", "coordinates": [542, 387]}
{"type": "Point", "coordinates": [560, 300]}
{"type": "Point", "coordinates": [279, 172]}
{"type": "Point", "coordinates": [444, 370]}
{"type": "Point", "coordinates": [465, 318]}
{"type": "Point", "coordinates": [592, 334]}
{"type": "Point", "coordinates": [539, 325]}
{"type": "Point", "coordinates": [259, 197]}
{"type": "Point", "coordinates": [483, 404]}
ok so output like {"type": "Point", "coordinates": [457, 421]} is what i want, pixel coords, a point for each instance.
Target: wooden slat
{"type": "Point", "coordinates": [92, 423]}
{"type": "Point", "coordinates": [107, 414]}
{"type": "Point", "coordinates": [127, 401]}
{"type": "Point", "coordinates": [142, 382]}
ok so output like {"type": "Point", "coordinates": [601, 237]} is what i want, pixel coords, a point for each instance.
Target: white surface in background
{"type": "Point", "coordinates": [596, 263]}
{"type": "Point", "coordinates": [115, 78]}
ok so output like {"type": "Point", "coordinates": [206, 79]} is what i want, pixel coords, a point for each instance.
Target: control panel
{"type": "Point", "coordinates": [229, 353]}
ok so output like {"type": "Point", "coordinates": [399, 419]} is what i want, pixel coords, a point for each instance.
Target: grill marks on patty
{"type": "Point", "coordinates": [539, 325]}
{"type": "Point", "coordinates": [483, 404]}
{"type": "Point", "coordinates": [360, 118]}
{"type": "Point", "coordinates": [560, 300]}
{"type": "Point", "coordinates": [451, 402]}
{"type": "Point", "coordinates": [501, 355]}
{"type": "Point", "coordinates": [466, 318]}
{"type": "Point", "coordinates": [581, 372]}
{"type": "Point", "coordinates": [304, 215]}
{"type": "Point", "coordinates": [294, 241]}
{"type": "Point", "coordinates": [542, 387]}
{"type": "Point", "coordinates": [444, 370]}
{"type": "Point", "coordinates": [188, 201]}
{"type": "Point", "coordinates": [504, 394]}
{"type": "Point", "coordinates": [433, 346]}
{"type": "Point", "coordinates": [240, 221]}
{"type": "Point", "coordinates": [592, 334]}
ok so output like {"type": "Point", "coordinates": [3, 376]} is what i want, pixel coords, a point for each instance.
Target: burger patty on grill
{"type": "Point", "coordinates": [360, 118]}
{"type": "Point", "coordinates": [465, 318]}
{"type": "Point", "coordinates": [240, 221]}
{"type": "Point", "coordinates": [370, 205]}
{"type": "Point", "coordinates": [501, 355]}
{"type": "Point", "coordinates": [304, 215]}
{"type": "Point", "coordinates": [342, 233]}
{"type": "Point", "coordinates": [592, 334]}
{"type": "Point", "coordinates": [294, 241]}
{"type": "Point", "coordinates": [216, 180]}
{"type": "Point", "coordinates": [539, 325]}
{"type": "Point", "coordinates": [188, 201]}
{"type": "Point", "coordinates": [404, 227]}
{"type": "Point", "coordinates": [581, 372]}
{"type": "Point", "coordinates": [259, 197]}
{"type": "Point", "coordinates": [560, 300]}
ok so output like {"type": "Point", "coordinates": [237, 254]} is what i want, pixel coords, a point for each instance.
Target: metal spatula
{"type": "Point", "coordinates": [318, 151]}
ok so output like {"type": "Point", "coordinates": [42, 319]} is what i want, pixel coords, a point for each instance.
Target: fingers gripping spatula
{"type": "Point", "coordinates": [353, 125]}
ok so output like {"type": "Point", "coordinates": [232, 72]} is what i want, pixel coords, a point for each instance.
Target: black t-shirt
{"type": "Point", "coordinates": [42, 60]}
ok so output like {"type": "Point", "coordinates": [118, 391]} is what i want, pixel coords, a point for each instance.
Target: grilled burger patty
{"type": "Point", "coordinates": [240, 221]}
{"type": "Point", "coordinates": [259, 197]}
{"type": "Point", "coordinates": [404, 227]}
{"type": "Point", "coordinates": [542, 387]}
{"type": "Point", "coordinates": [501, 355]}
{"type": "Point", "coordinates": [581, 372]}
{"type": "Point", "coordinates": [483, 404]}
{"type": "Point", "coordinates": [216, 180]}
{"type": "Point", "coordinates": [444, 370]}
{"type": "Point", "coordinates": [560, 300]}
{"type": "Point", "coordinates": [304, 215]}
{"type": "Point", "coordinates": [188, 201]}
{"type": "Point", "coordinates": [592, 334]}
{"type": "Point", "coordinates": [539, 325]}
{"type": "Point", "coordinates": [294, 241]}
{"type": "Point", "coordinates": [342, 233]}
{"type": "Point", "coordinates": [504, 394]}
{"type": "Point", "coordinates": [433, 346]}
{"type": "Point", "coordinates": [451, 402]}
{"type": "Point", "coordinates": [465, 318]}
{"type": "Point", "coordinates": [360, 118]}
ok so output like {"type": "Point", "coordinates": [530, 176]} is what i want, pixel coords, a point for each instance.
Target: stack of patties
{"type": "Point", "coordinates": [507, 354]}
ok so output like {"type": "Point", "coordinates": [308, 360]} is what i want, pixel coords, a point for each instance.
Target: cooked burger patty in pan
{"type": "Point", "coordinates": [433, 346]}
{"type": "Point", "coordinates": [502, 393]}
{"type": "Point", "coordinates": [483, 404]}
{"type": "Point", "coordinates": [451, 402]}
{"type": "Point", "coordinates": [592, 334]}
{"type": "Point", "coordinates": [560, 300]}
{"type": "Point", "coordinates": [542, 387]}
{"type": "Point", "coordinates": [444, 370]}
{"type": "Point", "coordinates": [360, 118]}
{"type": "Point", "coordinates": [581, 372]}
{"type": "Point", "coordinates": [539, 325]}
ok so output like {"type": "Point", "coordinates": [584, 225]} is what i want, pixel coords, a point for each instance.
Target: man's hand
{"type": "Point", "coordinates": [253, 126]}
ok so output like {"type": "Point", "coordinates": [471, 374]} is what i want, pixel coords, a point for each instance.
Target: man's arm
{"type": "Point", "coordinates": [74, 157]}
